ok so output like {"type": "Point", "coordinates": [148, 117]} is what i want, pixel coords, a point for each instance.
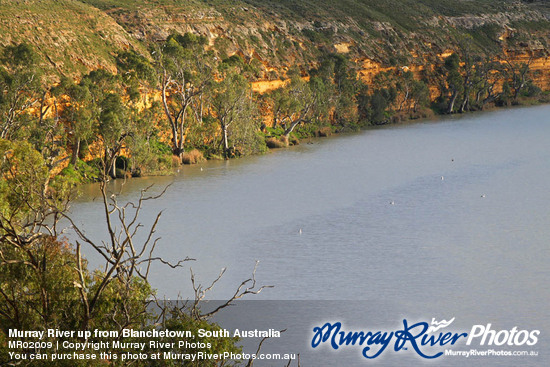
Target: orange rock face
{"type": "Point", "coordinates": [539, 69]}
{"type": "Point", "coordinates": [267, 86]}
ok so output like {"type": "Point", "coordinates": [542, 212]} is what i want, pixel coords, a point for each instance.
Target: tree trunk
{"type": "Point", "coordinates": [109, 160]}
{"type": "Point", "coordinates": [76, 151]}
{"type": "Point", "coordinates": [173, 124]}
{"type": "Point", "coordinates": [178, 152]}
{"type": "Point", "coordinates": [113, 168]}
{"type": "Point", "coordinates": [478, 95]}
{"type": "Point", "coordinates": [225, 143]}
{"type": "Point", "coordinates": [452, 102]}
{"type": "Point", "coordinates": [403, 103]}
{"type": "Point", "coordinates": [293, 124]}
{"type": "Point", "coordinates": [464, 104]}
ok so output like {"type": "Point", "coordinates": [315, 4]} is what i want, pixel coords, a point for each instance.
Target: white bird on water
{"type": "Point", "coordinates": [300, 230]}
{"type": "Point", "coordinates": [483, 195]}
{"type": "Point", "coordinates": [442, 178]}
{"type": "Point", "coordinates": [392, 202]}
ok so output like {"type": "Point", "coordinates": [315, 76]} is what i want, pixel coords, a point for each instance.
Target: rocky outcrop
{"type": "Point", "coordinates": [75, 37]}
{"type": "Point", "coordinates": [471, 21]}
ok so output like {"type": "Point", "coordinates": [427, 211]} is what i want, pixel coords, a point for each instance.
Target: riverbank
{"type": "Point", "coordinates": [274, 139]}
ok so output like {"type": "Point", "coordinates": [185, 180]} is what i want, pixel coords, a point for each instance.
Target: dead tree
{"type": "Point", "coordinates": [124, 257]}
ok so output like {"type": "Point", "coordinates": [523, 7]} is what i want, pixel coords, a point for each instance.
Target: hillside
{"type": "Point", "coordinates": [72, 37]}
{"type": "Point", "coordinates": [284, 32]}
{"type": "Point", "coordinates": [77, 36]}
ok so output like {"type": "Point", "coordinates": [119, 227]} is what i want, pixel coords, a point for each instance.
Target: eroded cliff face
{"type": "Point", "coordinates": [280, 44]}
{"type": "Point", "coordinates": [539, 67]}
{"type": "Point", "coordinates": [78, 36]}
{"type": "Point", "coordinates": [368, 69]}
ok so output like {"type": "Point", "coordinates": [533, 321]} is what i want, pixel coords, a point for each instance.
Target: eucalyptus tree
{"type": "Point", "coordinates": [518, 75]}
{"type": "Point", "coordinates": [293, 104]}
{"type": "Point", "coordinates": [20, 88]}
{"type": "Point", "coordinates": [233, 107]}
{"type": "Point", "coordinates": [111, 123]}
{"type": "Point", "coordinates": [487, 76]}
{"type": "Point", "coordinates": [76, 114]}
{"type": "Point", "coordinates": [455, 81]}
{"type": "Point", "coordinates": [185, 71]}
{"type": "Point", "coordinates": [420, 94]}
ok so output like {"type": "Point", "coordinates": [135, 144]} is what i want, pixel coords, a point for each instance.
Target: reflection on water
{"type": "Point", "coordinates": [473, 245]}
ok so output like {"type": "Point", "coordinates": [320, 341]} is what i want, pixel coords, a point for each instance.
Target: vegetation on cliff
{"type": "Point", "coordinates": [133, 86]}
{"type": "Point", "coordinates": [182, 97]}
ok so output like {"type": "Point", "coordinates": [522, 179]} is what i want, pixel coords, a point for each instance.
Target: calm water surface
{"type": "Point", "coordinates": [467, 235]}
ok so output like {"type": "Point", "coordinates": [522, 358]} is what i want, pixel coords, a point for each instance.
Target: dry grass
{"type": "Point", "coordinates": [324, 131]}
{"type": "Point", "coordinates": [421, 113]}
{"type": "Point", "coordinates": [193, 157]}
{"type": "Point", "coordinates": [274, 143]}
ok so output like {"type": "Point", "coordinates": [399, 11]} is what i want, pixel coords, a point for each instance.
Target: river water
{"type": "Point", "coordinates": [436, 219]}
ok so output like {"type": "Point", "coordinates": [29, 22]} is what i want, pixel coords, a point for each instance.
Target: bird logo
{"type": "Point", "coordinates": [439, 325]}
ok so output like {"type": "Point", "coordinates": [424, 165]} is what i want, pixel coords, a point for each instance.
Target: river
{"type": "Point", "coordinates": [436, 219]}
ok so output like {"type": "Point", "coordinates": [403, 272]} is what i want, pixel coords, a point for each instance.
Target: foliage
{"type": "Point", "coordinates": [81, 172]}
{"type": "Point", "coordinates": [185, 75]}
{"type": "Point", "coordinates": [193, 157]}
{"type": "Point", "coordinates": [105, 114]}
{"type": "Point", "coordinates": [237, 115]}
{"type": "Point", "coordinates": [19, 86]}
{"type": "Point", "coordinates": [26, 187]}
{"type": "Point", "coordinates": [44, 281]}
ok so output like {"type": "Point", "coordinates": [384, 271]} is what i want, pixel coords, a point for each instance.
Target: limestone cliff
{"type": "Point", "coordinates": [77, 36]}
